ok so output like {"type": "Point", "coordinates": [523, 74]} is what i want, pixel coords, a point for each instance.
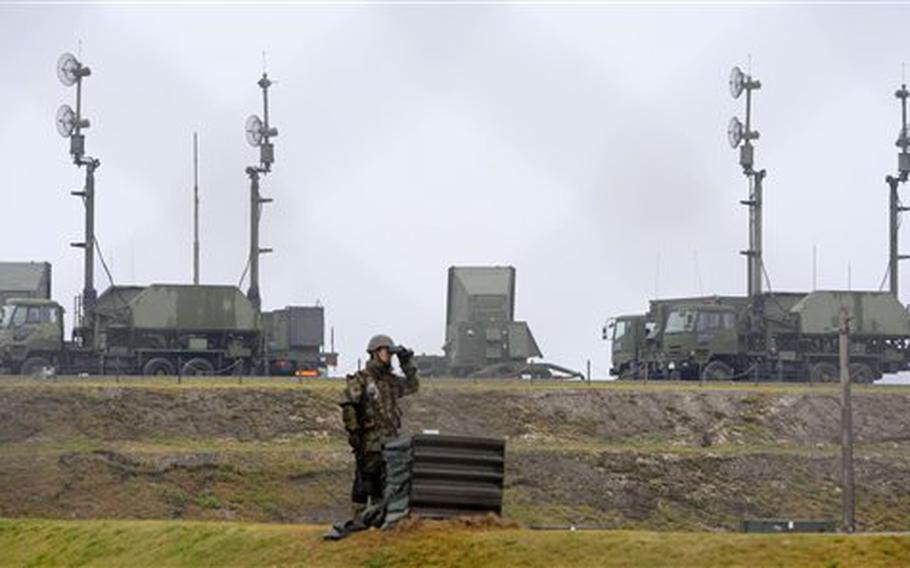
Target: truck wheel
{"type": "Point", "coordinates": [628, 374]}
{"type": "Point", "coordinates": [823, 372]}
{"type": "Point", "coordinates": [197, 366]}
{"type": "Point", "coordinates": [863, 373]}
{"type": "Point", "coordinates": [717, 371]}
{"type": "Point", "coordinates": [158, 366]}
{"type": "Point", "coordinates": [34, 365]}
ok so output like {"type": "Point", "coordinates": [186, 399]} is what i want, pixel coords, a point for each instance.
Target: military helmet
{"type": "Point", "coordinates": [380, 340]}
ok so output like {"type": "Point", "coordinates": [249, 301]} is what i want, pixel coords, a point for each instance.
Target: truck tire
{"type": "Point", "coordinates": [628, 374]}
{"type": "Point", "coordinates": [863, 373]}
{"type": "Point", "coordinates": [717, 371]}
{"type": "Point", "coordinates": [197, 366]}
{"type": "Point", "coordinates": [823, 372]}
{"type": "Point", "coordinates": [33, 365]}
{"type": "Point", "coordinates": [158, 366]}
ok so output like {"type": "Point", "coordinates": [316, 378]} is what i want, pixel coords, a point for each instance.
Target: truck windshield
{"type": "Point", "coordinates": [621, 328]}
{"type": "Point", "coordinates": [715, 321]}
{"type": "Point", "coordinates": [680, 321]}
{"type": "Point", "coordinates": [5, 313]}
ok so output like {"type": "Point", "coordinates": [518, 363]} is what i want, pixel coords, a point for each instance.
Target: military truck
{"type": "Point", "coordinates": [782, 336]}
{"type": "Point", "coordinates": [160, 329]}
{"type": "Point", "coordinates": [165, 329]}
{"type": "Point", "coordinates": [482, 337]}
{"type": "Point", "coordinates": [294, 339]}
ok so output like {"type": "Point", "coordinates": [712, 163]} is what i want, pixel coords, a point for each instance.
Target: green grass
{"type": "Point", "coordinates": [171, 543]}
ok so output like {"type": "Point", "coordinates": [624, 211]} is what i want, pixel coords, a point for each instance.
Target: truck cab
{"type": "Point", "coordinates": [31, 334]}
{"type": "Point", "coordinates": [626, 335]}
{"type": "Point", "coordinates": [701, 342]}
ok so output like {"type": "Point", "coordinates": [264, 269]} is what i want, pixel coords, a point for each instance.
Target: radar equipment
{"type": "Point", "coordinates": [740, 136]}
{"type": "Point", "coordinates": [70, 123]}
{"type": "Point", "coordinates": [259, 134]}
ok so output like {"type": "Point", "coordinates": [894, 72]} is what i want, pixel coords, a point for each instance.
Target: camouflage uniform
{"type": "Point", "coordinates": [371, 417]}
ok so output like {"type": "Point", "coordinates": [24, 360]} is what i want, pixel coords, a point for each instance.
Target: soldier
{"type": "Point", "coordinates": [369, 409]}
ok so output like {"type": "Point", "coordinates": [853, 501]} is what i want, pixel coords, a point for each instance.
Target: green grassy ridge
{"type": "Point", "coordinates": [180, 543]}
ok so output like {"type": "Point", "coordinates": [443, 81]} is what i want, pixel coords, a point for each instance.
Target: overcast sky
{"type": "Point", "coordinates": [577, 143]}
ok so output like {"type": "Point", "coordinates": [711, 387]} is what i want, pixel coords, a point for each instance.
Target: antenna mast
{"type": "Point", "coordinates": [741, 136]}
{"type": "Point", "coordinates": [259, 134]}
{"type": "Point", "coordinates": [195, 208]}
{"type": "Point", "coordinates": [70, 123]}
{"type": "Point", "coordinates": [895, 207]}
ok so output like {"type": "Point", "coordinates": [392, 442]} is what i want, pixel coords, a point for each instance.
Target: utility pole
{"type": "Point", "coordinates": [70, 123]}
{"type": "Point", "coordinates": [740, 136]}
{"type": "Point", "coordinates": [848, 504]}
{"type": "Point", "coordinates": [895, 208]}
{"type": "Point", "coordinates": [195, 209]}
{"type": "Point", "coordinates": [259, 134]}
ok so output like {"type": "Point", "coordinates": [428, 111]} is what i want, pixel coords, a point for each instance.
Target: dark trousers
{"type": "Point", "coordinates": [369, 478]}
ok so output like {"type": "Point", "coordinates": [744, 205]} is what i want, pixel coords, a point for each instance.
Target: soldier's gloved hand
{"type": "Point", "coordinates": [404, 356]}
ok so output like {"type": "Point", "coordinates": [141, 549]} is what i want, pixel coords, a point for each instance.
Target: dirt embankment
{"type": "Point", "coordinates": [617, 457]}
{"type": "Point", "coordinates": [687, 417]}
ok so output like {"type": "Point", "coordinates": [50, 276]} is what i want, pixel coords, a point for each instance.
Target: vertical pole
{"type": "Point", "coordinates": [657, 278]}
{"type": "Point", "coordinates": [253, 292]}
{"type": "Point", "coordinates": [893, 213]}
{"type": "Point", "coordinates": [848, 503]}
{"type": "Point", "coordinates": [750, 252]}
{"type": "Point", "coordinates": [88, 292]}
{"type": "Point", "coordinates": [814, 268]}
{"type": "Point", "coordinates": [756, 258]}
{"type": "Point", "coordinates": [195, 209]}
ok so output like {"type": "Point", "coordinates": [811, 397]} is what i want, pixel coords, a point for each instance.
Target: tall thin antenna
{"type": "Point", "coordinates": [701, 290]}
{"type": "Point", "coordinates": [195, 208]}
{"type": "Point", "coordinates": [657, 278]}
{"type": "Point", "coordinates": [259, 133]}
{"type": "Point", "coordinates": [814, 267]}
{"type": "Point", "coordinates": [264, 67]}
{"type": "Point", "coordinates": [849, 275]}
{"type": "Point", "coordinates": [740, 136]}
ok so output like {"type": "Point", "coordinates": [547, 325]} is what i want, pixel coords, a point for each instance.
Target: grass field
{"type": "Point", "coordinates": [180, 543]}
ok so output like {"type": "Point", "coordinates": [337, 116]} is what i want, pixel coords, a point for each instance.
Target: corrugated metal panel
{"type": "Point", "coordinates": [306, 326]}
{"type": "Point", "coordinates": [25, 280]}
{"type": "Point", "coordinates": [456, 475]}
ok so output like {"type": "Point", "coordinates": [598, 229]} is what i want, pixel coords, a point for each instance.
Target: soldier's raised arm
{"type": "Point", "coordinates": [409, 383]}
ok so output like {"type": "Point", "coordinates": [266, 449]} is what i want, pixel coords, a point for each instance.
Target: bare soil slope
{"type": "Point", "coordinates": [639, 456]}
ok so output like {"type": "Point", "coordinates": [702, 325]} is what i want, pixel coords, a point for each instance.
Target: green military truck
{"type": "Point", "coordinates": [162, 329]}
{"type": "Point", "coordinates": [776, 336]}
{"type": "Point", "coordinates": [294, 337]}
